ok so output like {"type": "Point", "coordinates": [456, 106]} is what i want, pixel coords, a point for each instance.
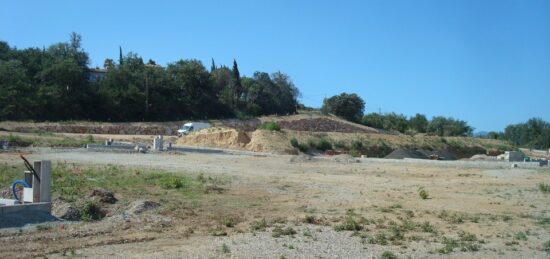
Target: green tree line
{"type": "Point", "coordinates": [351, 107]}
{"type": "Point", "coordinates": [54, 84]}
{"type": "Point", "coordinates": [535, 133]}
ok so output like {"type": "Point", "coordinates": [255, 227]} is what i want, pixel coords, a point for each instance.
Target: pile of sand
{"type": "Point", "coordinates": [270, 141]}
{"type": "Point", "coordinates": [216, 137]}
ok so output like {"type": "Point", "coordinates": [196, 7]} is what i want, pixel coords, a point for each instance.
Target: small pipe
{"type": "Point", "coordinates": [22, 182]}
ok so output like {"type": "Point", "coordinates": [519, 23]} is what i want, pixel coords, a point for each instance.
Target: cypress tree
{"type": "Point", "coordinates": [120, 60]}
{"type": "Point", "coordinates": [213, 67]}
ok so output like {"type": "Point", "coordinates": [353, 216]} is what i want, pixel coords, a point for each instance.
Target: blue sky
{"type": "Point", "coordinates": [486, 62]}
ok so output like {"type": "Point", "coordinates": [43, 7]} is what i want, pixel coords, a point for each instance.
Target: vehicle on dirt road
{"type": "Point", "coordinates": [192, 126]}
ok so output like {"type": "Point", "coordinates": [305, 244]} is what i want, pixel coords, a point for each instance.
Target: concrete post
{"type": "Point", "coordinates": [42, 187]}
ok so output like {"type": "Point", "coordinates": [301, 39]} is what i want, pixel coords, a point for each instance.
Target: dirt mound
{"type": "Point", "coordinates": [271, 141]}
{"type": "Point", "coordinates": [324, 125]}
{"type": "Point", "coordinates": [404, 153]}
{"type": "Point", "coordinates": [140, 206]}
{"type": "Point", "coordinates": [104, 196]}
{"type": "Point", "coordinates": [216, 137]}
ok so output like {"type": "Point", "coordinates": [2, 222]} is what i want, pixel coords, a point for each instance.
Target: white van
{"type": "Point", "coordinates": [192, 126]}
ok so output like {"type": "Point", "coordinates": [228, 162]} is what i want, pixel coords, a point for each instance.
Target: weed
{"type": "Point", "coordinates": [259, 225]}
{"type": "Point", "coordinates": [278, 232]}
{"type": "Point", "coordinates": [546, 246]}
{"type": "Point", "coordinates": [388, 255]}
{"type": "Point", "coordinates": [465, 236]}
{"type": "Point", "coordinates": [324, 145]}
{"type": "Point", "coordinates": [228, 222]}
{"type": "Point", "coordinates": [423, 193]}
{"type": "Point", "coordinates": [302, 147]}
{"type": "Point", "coordinates": [272, 126]}
{"type": "Point", "coordinates": [349, 224]}
{"type": "Point", "coordinates": [520, 236]}
{"type": "Point", "coordinates": [43, 227]}
{"type": "Point", "coordinates": [427, 227]}
{"type": "Point", "coordinates": [90, 211]}
{"type": "Point", "coordinates": [545, 188]}
{"type": "Point", "coordinates": [172, 182]}
{"type": "Point", "coordinates": [379, 238]}
{"type": "Point", "coordinates": [225, 249]}
{"type": "Point", "coordinates": [340, 145]}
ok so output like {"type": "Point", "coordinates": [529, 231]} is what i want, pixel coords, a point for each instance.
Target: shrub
{"type": "Point", "coordinates": [356, 145]}
{"type": "Point", "coordinates": [545, 188]}
{"type": "Point", "coordinates": [172, 182]}
{"type": "Point", "coordinates": [259, 225]}
{"type": "Point", "coordinates": [294, 142]}
{"type": "Point", "coordinates": [225, 249]}
{"type": "Point", "coordinates": [324, 145]}
{"type": "Point", "coordinates": [423, 193]}
{"type": "Point", "coordinates": [350, 224]}
{"type": "Point", "coordinates": [546, 246]}
{"type": "Point", "coordinates": [302, 147]}
{"type": "Point", "coordinates": [90, 211]}
{"type": "Point", "coordinates": [272, 126]}
{"type": "Point", "coordinates": [388, 255]}
{"type": "Point", "coordinates": [340, 145]}
{"type": "Point", "coordinates": [278, 232]}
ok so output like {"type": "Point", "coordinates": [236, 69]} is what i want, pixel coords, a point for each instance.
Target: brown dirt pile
{"type": "Point", "coordinates": [216, 137]}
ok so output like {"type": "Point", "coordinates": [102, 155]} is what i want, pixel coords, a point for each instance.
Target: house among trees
{"type": "Point", "coordinates": [96, 74]}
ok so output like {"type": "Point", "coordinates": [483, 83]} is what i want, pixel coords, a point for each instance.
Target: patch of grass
{"type": "Point", "coordinates": [259, 225]}
{"type": "Point", "coordinates": [546, 246]}
{"type": "Point", "coordinates": [302, 147]}
{"type": "Point", "coordinates": [278, 231]}
{"type": "Point", "coordinates": [467, 243]}
{"type": "Point", "coordinates": [427, 227]}
{"type": "Point", "coordinates": [324, 145]}
{"type": "Point", "coordinates": [270, 125]}
{"type": "Point", "coordinates": [545, 221]}
{"type": "Point", "coordinates": [520, 236]}
{"type": "Point", "coordinates": [90, 211]}
{"type": "Point", "coordinates": [225, 249]}
{"type": "Point", "coordinates": [228, 222]}
{"type": "Point", "coordinates": [545, 188]}
{"type": "Point", "coordinates": [349, 224]}
{"type": "Point", "coordinates": [379, 239]}
{"type": "Point", "coordinates": [388, 255]}
{"type": "Point", "coordinates": [423, 193]}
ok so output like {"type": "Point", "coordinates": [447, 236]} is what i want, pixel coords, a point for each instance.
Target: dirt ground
{"type": "Point", "coordinates": [285, 206]}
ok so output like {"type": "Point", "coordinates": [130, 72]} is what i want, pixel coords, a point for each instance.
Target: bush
{"type": "Point", "coordinates": [302, 147]}
{"type": "Point", "coordinates": [545, 188]}
{"type": "Point", "coordinates": [423, 193]}
{"type": "Point", "coordinates": [324, 145]}
{"type": "Point", "coordinates": [90, 211]}
{"type": "Point", "coordinates": [388, 255]}
{"type": "Point", "coordinates": [272, 126]}
{"type": "Point", "coordinates": [356, 145]}
{"type": "Point", "coordinates": [172, 182]}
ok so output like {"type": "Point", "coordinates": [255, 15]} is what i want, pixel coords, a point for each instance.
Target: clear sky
{"type": "Point", "coordinates": [486, 62]}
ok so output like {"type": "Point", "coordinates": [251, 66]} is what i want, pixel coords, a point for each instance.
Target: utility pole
{"type": "Point", "coordinates": [146, 94]}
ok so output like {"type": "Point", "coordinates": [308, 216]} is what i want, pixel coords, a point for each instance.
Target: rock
{"type": "Point", "coordinates": [104, 196]}
{"type": "Point", "coordinates": [64, 210]}
{"type": "Point", "coordinates": [141, 206]}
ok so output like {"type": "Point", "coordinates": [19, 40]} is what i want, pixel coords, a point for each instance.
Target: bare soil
{"type": "Point", "coordinates": [470, 211]}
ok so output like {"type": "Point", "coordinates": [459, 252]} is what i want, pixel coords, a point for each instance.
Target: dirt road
{"type": "Point", "coordinates": [472, 211]}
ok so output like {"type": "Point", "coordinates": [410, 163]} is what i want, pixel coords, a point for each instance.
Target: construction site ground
{"type": "Point", "coordinates": [292, 206]}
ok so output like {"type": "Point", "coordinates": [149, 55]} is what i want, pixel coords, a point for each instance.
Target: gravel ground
{"type": "Point", "coordinates": [490, 200]}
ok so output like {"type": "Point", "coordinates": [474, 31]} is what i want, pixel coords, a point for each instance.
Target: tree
{"type": "Point", "coordinates": [418, 123]}
{"type": "Point", "coordinates": [347, 106]}
{"type": "Point", "coordinates": [235, 85]}
{"type": "Point", "coordinates": [442, 126]}
{"type": "Point", "coordinates": [374, 120]}
{"type": "Point", "coordinates": [120, 59]}
{"type": "Point", "coordinates": [213, 66]}
{"type": "Point", "coordinates": [15, 91]}
{"type": "Point", "coordinates": [108, 64]}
